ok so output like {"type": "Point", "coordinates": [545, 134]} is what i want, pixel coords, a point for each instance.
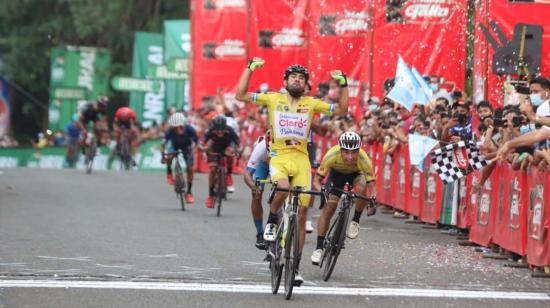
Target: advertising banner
{"type": "Point", "coordinates": [502, 28]}
{"type": "Point", "coordinates": [177, 48]}
{"type": "Point", "coordinates": [78, 75]}
{"type": "Point", "coordinates": [149, 106]}
{"type": "Point", "coordinates": [278, 34]}
{"type": "Point", "coordinates": [219, 35]}
{"type": "Point", "coordinates": [5, 107]}
{"type": "Point", "coordinates": [538, 218]}
{"type": "Point", "coordinates": [430, 35]}
{"type": "Point", "coordinates": [340, 39]}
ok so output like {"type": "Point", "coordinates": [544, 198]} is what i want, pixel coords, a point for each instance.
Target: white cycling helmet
{"type": "Point", "coordinates": [350, 141]}
{"type": "Point", "coordinates": [177, 119]}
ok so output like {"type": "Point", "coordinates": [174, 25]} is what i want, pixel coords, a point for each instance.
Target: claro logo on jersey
{"type": "Point", "coordinates": [428, 11]}
{"type": "Point", "coordinates": [287, 37]}
{"type": "Point", "coordinates": [350, 23]}
{"type": "Point", "coordinates": [291, 125]}
{"type": "Point", "coordinates": [227, 49]}
{"type": "Point", "coordinates": [224, 4]}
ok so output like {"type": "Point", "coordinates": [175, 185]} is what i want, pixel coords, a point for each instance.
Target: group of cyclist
{"type": "Point", "coordinates": [85, 124]}
{"type": "Point", "coordinates": [282, 154]}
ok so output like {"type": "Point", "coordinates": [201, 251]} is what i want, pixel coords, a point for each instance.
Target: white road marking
{"type": "Point", "coordinates": [84, 259]}
{"type": "Point", "coordinates": [241, 288]}
{"type": "Point", "coordinates": [171, 255]}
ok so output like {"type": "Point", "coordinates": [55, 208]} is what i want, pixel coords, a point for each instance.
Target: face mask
{"type": "Point", "coordinates": [434, 87]}
{"type": "Point", "coordinates": [372, 107]}
{"type": "Point", "coordinates": [536, 99]}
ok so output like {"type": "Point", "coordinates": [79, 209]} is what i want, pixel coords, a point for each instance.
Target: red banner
{"type": "Point", "coordinates": [538, 237]}
{"type": "Point", "coordinates": [485, 207]}
{"type": "Point", "coordinates": [433, 194]}
{"type": "Point", "coordinates": [417, 191]}
{"type": "Point", "coordinates": [218, 33]}
{"type": "Point", "coordinates": [511, 227]}
{"type": "Point", "coordinates": [463, 212]}
{"type": "Point", "coordinates": [429, 34]}
{"type": "Point", "coordinates": [339, 38]}
{"type": "Point", "coordinates": [507, 16]}
{"type": "Point", "coordinates": [400, 172]}
{"type": "Point", "coordinates": [278, 34]}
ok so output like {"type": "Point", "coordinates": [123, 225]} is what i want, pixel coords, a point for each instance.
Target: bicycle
{"type": "Point", "coordinates": [334, 241]}
{"type": "Point", "coordinates": [90, 151]}
{"type": "Point", "coordinates": [124, 150]}
{"type": "Point", "coordinates": [287, 240]}
{"type": "Point", "coordinates": [179, 166]}
{"type": "Point", "coordinates": [220, 187]}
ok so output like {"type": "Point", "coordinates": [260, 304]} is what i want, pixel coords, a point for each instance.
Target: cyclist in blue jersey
{"type": "Point", "coordinates": [180, 136]}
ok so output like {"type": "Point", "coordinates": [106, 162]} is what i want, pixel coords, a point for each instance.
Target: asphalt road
{"type": "Point", "coordinates": [119, 239]}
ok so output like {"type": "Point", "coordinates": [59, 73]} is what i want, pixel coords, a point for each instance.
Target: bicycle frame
{"type": "Point", "coordinates": [287, 240]}
{"type": "Point", "coordinates": [334, 241]}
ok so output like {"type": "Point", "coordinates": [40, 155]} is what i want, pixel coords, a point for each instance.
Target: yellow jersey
{"type": "Point", "coordinates": [333, 161]}
{"type": "Point", "coordinates": [290, 125]}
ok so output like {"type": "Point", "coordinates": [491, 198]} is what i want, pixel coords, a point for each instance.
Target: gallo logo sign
{"type": "Point", "coordinates": [230, 48]}
{"type": "Point", "coordinates": [460, 157]}
{"type": "Point", "coordinates": [428, 11]}
{"type": "Point", "coordinates": [287, 37]}
{"type": "Point", "coordinates": [484, 209]}
{"type": "Point", "coordinates": [350, 23]}
{"type": "Point", "coordinates": [535, 215]}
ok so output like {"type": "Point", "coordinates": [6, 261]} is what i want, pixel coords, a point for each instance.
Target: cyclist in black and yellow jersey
{"type": "Point", "coordinates": [346, 163]}
{"type": "Point", "coordinates": [290, 117]}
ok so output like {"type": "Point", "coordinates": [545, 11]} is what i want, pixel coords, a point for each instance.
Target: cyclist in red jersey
{"type": "Point", "coordinates": [125, 118]}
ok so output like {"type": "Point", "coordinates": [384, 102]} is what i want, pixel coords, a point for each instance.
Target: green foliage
{"type": "Point", "coordinates": [30, 28]}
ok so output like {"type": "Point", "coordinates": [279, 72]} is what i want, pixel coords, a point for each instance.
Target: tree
{"type": "Point", "coordinates": [30, 28]}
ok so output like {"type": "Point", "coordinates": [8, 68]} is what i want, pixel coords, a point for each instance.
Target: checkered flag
{"type": "Point", "coordinates": [456, 160]}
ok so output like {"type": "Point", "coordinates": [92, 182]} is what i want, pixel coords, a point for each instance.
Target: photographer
{"type": "Point", "coordinates": [459, 126]}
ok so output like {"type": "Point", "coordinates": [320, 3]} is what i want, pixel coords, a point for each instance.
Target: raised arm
{"type": "Point", "coordinates": [242, 89]}
{"type": "Point", "coordinates": [342, 107]}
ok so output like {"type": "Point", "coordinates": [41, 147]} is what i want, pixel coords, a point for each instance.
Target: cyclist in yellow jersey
{"type": "Point", "coordinates": [290, 117]}
{"type": "Point", "coordinates": [346, 163]}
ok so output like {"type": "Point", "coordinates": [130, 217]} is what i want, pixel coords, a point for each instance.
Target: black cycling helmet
{"type": "Point", "coordinates": [297, 68]}
{"type": "Point", "coordinates": [218, 123]}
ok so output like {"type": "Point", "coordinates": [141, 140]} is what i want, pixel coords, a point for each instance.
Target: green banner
{"type": "Point", "coordinates": [162, 72]}
{"type": "Point", "coordinates": [75, 67]}
{"type": "Point", "coordinates": [148, 158]}
{"type": "Point", "coordinates": [134, 84]}
{"type": "Point", "coordinates": [177, 48]}
{"type": "Point", "coordinates": [69, 93]}
{"type": "Point", "coordinates": [148, 51]}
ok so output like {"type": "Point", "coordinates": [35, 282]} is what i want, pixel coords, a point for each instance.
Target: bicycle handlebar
{"type": "Point", "coordinates": [349, 193]}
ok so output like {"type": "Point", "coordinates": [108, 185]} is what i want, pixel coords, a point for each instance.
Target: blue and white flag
{"type": "Point", "coordinates": [406, 90]}
{"type": "Point", "coordinates": [419, 148]}
{"type": "Point", "coordinates": [425, 96]}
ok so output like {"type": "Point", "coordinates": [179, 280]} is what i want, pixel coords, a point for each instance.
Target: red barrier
{"type": "Point", "coordinates": [433, 194]}
{"type": "Point", "coordinates": [485, 204]}
{"type": "Point", "coordinates": [463, 213]}
{"type": "Point", "coordinates": [538, 223]}
{"type": "Point", "coordinates": [416, 198]}
{"type": "Point", "coordinates": [384, 187]}
{"type": "Point", "coordinates": [511, 229]}
{"type": "Point", "coordinates": [402, 175]}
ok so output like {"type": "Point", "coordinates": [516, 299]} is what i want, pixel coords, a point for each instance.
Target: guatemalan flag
{"type": "Point", "coordinates": [407, 90]}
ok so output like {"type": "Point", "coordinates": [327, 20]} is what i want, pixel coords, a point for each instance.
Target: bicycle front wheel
{"type": "Point", "coordinates": [275, 265]}
{"type": "Point", "coordinates": [335, 242]}
{"type": "Point", "coordinates": [90, 157]}
{"type": "Point", "coordinates": [220, 191]}
{"type": "Point", "coordinates": [291, 256]}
